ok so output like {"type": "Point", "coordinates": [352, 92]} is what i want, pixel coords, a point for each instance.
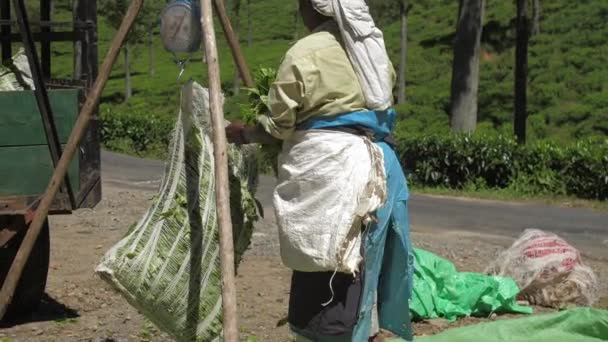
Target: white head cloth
{"type": "Point", "coordinates": [364, 44]}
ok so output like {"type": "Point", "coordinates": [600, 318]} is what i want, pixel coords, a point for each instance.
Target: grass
{"type": "Point", "coordinates": [65, 321]}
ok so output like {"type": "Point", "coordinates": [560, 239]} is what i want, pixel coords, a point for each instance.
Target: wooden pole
{"type": "Point", "coordinates": [222, 194]}
{"type": "Point", "coordinates": [14, 274]}
{"type": "Point", "coordinates": [233, 42]}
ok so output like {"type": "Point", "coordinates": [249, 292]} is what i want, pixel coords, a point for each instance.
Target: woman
{"type": "Point", "coordinates": [339, 78]}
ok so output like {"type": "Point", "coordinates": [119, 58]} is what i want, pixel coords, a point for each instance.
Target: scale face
{"type": "Point", "coordinates": [180, 27]}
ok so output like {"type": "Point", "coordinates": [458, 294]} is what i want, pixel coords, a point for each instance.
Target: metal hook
{"type": "Point", "coordinates": [182, 67]}
{"type": "Point", "coordinates": [181, 64]}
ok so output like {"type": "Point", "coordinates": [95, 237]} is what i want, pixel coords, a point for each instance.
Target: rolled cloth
{"type": "Point", "coordinates": [365, 47]}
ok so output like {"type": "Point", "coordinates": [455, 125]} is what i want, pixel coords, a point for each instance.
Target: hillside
{"type": "Point", "coordinates": [568, 67]}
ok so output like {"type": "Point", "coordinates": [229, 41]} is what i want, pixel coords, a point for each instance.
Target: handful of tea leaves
{"type": "Point", "coordinates": [258, 105]}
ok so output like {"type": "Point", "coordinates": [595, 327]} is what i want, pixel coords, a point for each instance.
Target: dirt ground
{"type": "Point", "coordinates": [81, 307]}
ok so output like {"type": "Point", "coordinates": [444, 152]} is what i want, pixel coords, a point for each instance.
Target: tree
{"type": "Point", "coordinates": [536, 8]}
{"type": "Point", "coordinates": [404, 8]}
{"type": "Point", "coordinates": [521, 72]}
{"type": "Point", "coordinates": [236, 8]}
{"type": "Point", "coordinates": [384, 12]}
{"type": "Point", "coordinates": [151, 49]}
{"type": "Point", "coordinates": [114, 11]}
{"type": "Point", "coordinates": [465, 70]}
{"type": "Point", "coordinates": [249, 24]}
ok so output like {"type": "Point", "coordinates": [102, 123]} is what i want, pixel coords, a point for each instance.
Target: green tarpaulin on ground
{"type": "Point", "coordinates": [440, 291]}
{"type": "Point", "coordinates": [575, 325]}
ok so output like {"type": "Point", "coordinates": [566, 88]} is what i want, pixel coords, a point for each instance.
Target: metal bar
{"type": "Point", "coordinates": [42, 97]}
{"type": "Point", "coordinates": [45, 23]}
{"type": "Point", "coordinates": [20, 205]}
{"type": "Point", "coordinates": [86, 69]}
{"type": "Point", "coordinates": [65, 83]}
{"type": "Point", "coordinates": [45, 46]}
{"type": "Point", "coordinates": [71, 148]}
{"type": "Point", "coordinates": [42, 36]}
{"type": "Point", "coordinates": [87, 11]}
{"type": "Point", "coordinates": [5, 14]}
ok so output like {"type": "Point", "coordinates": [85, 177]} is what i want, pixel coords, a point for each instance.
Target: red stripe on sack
{"type": "Point", "coordinates": [545, 252]}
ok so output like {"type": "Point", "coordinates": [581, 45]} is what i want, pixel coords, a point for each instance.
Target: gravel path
{"type": "Point", "coordinates": [81, 307]}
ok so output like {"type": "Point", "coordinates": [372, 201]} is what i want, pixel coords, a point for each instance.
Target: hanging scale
{"type": "Point", "coordinates": [180, 31]}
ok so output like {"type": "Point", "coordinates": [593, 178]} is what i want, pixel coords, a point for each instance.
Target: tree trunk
{"type": "Point", "coordinates": [237, 28]}
{"type": "Point", "coordinates": [465, 70]}
{"type": "Point", "coordinates": [249, 24]}
{"type": "Point", "coordinates": [151, 50]}
{"type": "Point", "coordinates": [401, 96]}
{"type": "Point", "coordinates": [536, 8]}
{"type": "Point", "coordinates": [127, 72]}
{"type": "Point", "coordinates": [77, 47]}
{"type": "Point", "coordinates": [521, 72]}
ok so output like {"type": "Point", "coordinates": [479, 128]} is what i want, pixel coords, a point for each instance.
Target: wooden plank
{"type": "Point", "coordinates": [20, 122]}
{"type": "Point", "coordinates": [26, 170]}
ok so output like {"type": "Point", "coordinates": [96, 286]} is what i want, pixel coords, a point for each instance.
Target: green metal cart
{"type": "Point", "coordinates": [33, 126]}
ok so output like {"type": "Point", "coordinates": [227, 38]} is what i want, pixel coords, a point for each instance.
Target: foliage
{"type": "Point", "coordinates": [568, 64]}
{"type": "Point", "coordinates": [258, 96]}
{"type": "Point", "coordinates": [258, 105]}
{"type": "Point", "coordinates": [126, 130]}
{"type": "Point", "coordinates": [114, 11]}
{"type": "Point", "coordinates": [482, 161]}
{"type": "Point", "coordinates": [567, 98]}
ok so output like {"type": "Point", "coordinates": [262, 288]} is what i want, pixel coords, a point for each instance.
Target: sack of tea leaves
{"type": "Point", "coordinates": [168, 264]}
{"type": "Point", "coordinates": [15, 74]}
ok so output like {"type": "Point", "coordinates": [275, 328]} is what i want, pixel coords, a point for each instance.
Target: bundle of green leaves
{"type": "Point", "coordinates": [258, 105]}
{"type": "Point", "coordinates": [258, 95]}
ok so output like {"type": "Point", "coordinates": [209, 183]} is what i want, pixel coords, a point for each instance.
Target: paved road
{"type": "Point", "coordinates": [586, 229]}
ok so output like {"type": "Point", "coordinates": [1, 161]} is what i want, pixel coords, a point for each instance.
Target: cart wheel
{"type": "Point", "coordinates": [30, 288]}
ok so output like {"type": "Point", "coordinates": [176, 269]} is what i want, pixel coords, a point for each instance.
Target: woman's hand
{"type": "Point", "coordinates": [235, 133]}
{"type": "Point", "coordinates": [239, 134]}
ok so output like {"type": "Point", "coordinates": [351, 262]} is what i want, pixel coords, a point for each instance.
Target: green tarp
{"type": "Point", "coordinates": [442, 292]}
{"type": "Point", "coordinates": [576, 325]}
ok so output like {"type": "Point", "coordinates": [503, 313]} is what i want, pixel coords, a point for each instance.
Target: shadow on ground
{"type": "Point", "coordinates": [49, 310]}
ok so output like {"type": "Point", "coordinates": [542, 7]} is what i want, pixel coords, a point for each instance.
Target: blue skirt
{"type": "Point", "coordinates": [387, 251]}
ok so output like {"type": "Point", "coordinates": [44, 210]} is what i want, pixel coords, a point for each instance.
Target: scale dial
{"type": "Point", "coordinates": [180, 28]}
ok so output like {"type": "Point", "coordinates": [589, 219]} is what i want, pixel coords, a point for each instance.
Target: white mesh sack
{"type": "Point", "coordinates": [548, 270]}
{"type": "Point", "coordinates": [17, 75]}
{"type": "Point", "coordinates": [167, 266]}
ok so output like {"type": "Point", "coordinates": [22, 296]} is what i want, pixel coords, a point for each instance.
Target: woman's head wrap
{"type": "Point", "coordinates": [364, 44]}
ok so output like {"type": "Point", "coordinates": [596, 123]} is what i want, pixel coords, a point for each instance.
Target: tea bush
{"type": "Point", "coordinates": [135, 132]}
{"type": "Point", "coordinates": [457, 161]}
